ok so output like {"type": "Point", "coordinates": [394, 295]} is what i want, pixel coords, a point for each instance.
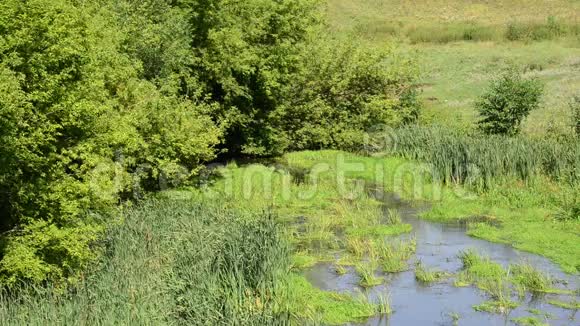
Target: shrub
{"type": "Point", "coordinates": [342, 89]}
{"type": "Point", "coordinates": [243, 55]}
{"type": "Point", "coordinates": [509, 100]}
{"type": "Point", "coordinates": [77, 123]}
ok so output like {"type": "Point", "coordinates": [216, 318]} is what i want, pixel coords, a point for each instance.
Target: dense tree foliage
{"type": "Point", "coordinates": [102, 99]}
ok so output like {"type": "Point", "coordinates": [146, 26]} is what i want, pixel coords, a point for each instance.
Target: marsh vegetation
{"type": "Point", "coordinates": [289, 162]}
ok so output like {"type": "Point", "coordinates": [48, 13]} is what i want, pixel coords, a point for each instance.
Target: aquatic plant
{"type": "Point", "coordinates": [455, 157]}
{"type": "Point", "coordinates": [529, 321]}
{"type": "Point", "coordinates": [393, 216]}
{"type": "Point", "coordinates": [530, 278]}
{"type": "Point", "coordinates": [427, 276]}
{"type": "Point", "coordinates": [366, 272]}
{"type": "Point", "coordinates": [384, 305]}
{"type": "Point", "coordinates": [500, 307]}
{"type": "Point", "coordinates": [340, 269]}
{"type": "Point", "coordinates": [572, 305]}
{"type": "Point", "coordinates": [393, 256]}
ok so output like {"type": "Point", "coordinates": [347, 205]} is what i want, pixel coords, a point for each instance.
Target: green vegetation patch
{"type": "Point", "coordinates": [521, 214]}
{"type": "Point", "coordinates": [310, 303]}
{"type": "Point", "coordinates": [572, 305]}
{"type": "Point", "coordinates": [529, 321]}
{"type": "Point", "coordinates": [500, 307]}
{"type": "Point", "coordinates": [428, 276]}
{"type": "Point", "coordinates": [379, 230]}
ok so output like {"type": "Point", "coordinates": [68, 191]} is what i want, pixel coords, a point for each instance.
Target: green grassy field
{"type": "Point", "coordinates": [455, 71]}
{"type": "Point", "coordinates": [345, 13]}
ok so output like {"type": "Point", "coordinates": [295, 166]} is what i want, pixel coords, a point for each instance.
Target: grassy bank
{"type": "Point", "coordinates": [171, 261]}
{"type": "Point", "coordinates": [512, 212]}
{"type": "Point", "coordinates": [188, 258]}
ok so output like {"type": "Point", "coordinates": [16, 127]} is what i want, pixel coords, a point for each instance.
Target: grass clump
{"type": "Point", "coordinates": [489, 277]}
{"type": "Point", "coordinates": [427, 276]}
{"type": "Point", "coordinates": [500, 307]}
{"type": "Point", "coordinates": [303, 260]}
{"type": "Point", "coordinates": [340, 269]}
{"type": "Point", "coordinates": [393, 256]}
{"type": "Point", "coordinates": [477, 268]}
{"type": "Point", "coordinates": [384, 305]}
{"type": "Point", "coordinates": [393, 216]}
{"type": "Point", "coordinates": [529, 321]}
{"type": "Point", "coordinates": [572, 305]}
{"type": "Point", "coordinates": [312, 305]}
{"type": "Point", "coordinates": [366, 272]}
{"type": "Point", "coordinates": [379, 230]}
{"type": "Point", "coordinates": [530, 278]}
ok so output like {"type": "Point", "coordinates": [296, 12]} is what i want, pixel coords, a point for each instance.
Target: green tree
{"type": "Point", "coordinates": [244, 54]}
{"type": "Point", "coordinates": [508, 101]}
{"type": "Point", "coordinates": [342, 89]}
{"type": "Point", "coordinates": [78, 121]}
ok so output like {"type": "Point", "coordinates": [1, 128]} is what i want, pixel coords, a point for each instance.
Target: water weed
{"type": "Point", "coordinates": [530, 278]}
{"type": "Point", "coordinates": [529, 321]}
{"type": "Point", "coordinates": [427, 276]}
{"type": "Point", "coordinates": [572, 305]}
{"type": "Point", "coordinates": [366, 272]}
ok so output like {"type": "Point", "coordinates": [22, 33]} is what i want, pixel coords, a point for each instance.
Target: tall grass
{"type": "Point", "coordinates": [171, 262]}
{"type": "Point", "coordinates": [477, 160]}
{"type": "Point", "coordinates": [448, 32]}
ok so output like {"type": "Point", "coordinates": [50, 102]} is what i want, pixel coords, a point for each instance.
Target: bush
{"type": "Point", "coordinates": [243, 54]}
{"type": "Point", "coordinates": [509, 100]}
{"type": "Point", "coordinates": [342, 89]}
{"type": "Point", "coordinates": [77, 123]}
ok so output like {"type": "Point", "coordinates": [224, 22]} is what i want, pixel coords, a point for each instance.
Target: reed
{"type": "Point", "coordinates": [366, 272]}
{"type": "Point", "coordinates": [479, 160]}
{"type": "Point", "coordinates": [170, 262]}
{"type": "Point", "coordinates": [427, 276]}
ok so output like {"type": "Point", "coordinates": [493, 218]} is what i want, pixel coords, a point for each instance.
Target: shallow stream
{"type": "Point", "coordinates": [438, 246]}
